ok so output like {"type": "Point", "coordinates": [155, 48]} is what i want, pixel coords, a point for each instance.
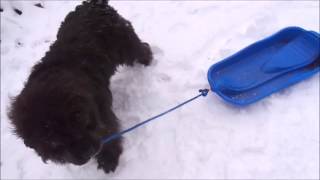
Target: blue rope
{"type": "Point", "coordinates": [203, 92]}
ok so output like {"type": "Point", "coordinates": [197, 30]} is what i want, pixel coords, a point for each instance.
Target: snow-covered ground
{"type": "Point", "coordinates": [272, 139]}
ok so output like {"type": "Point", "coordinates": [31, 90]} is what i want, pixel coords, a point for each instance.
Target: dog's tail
{"type": "Point", "coordinates": [100, 2]}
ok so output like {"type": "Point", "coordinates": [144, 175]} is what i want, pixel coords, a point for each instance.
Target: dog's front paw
{"type": "Point", "coordinates": [146, 56]}
{"type": "Point", "coordinates": [108, 158]}
{"type": "Point", "coordinates": [108, 165]}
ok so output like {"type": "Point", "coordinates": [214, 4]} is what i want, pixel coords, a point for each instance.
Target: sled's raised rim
{"type": "Point", "coordinates": [283, 80]}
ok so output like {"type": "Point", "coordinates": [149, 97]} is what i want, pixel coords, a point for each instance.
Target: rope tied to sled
{"type": "Point", "coordinates": [202, 92]}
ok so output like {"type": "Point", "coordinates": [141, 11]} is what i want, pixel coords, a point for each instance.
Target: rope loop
{"type": "Point", "coordinates": [204, 92]}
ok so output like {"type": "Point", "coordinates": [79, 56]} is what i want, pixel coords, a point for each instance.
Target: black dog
{"type": "Point", "coordinates": [65, 107]}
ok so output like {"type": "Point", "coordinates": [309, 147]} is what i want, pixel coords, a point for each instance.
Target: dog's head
{"type": "Point", "coordinates": [57, 117]}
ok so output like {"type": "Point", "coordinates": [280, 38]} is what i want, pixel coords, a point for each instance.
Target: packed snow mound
{"type": "Point", "coordinates": [276, 138]}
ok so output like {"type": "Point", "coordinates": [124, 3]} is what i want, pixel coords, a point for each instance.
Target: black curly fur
{"type": "Point", "coordinates": [66, 105]}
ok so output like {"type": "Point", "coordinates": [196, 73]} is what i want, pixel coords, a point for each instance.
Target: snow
{"type": "Point", "coordinates": [276, 138]}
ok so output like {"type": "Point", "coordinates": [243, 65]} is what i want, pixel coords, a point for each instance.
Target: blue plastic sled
{"type": "Point", "coordinates": [267, 66]}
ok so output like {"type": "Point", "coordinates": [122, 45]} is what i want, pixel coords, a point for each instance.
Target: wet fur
{"type": "Point", "coordinates": [65, 106]}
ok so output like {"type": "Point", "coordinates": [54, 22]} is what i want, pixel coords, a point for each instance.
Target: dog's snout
{"type": "Point", "coordinates": [81, 154]}
{"type": "Point", "coordinates": [89, 152]}
{"type": "Point", "coordinates": [77, 159]}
